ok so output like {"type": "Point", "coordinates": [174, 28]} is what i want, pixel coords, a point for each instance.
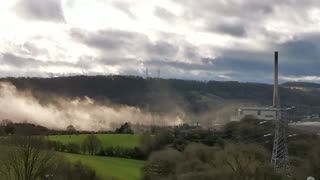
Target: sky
{"type": "Point", "coordinates": [227, 40]}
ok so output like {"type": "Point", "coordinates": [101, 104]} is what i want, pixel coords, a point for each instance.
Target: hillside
{"type": "Point", "coordinates": [301, 84]}
{"type": "Point", "coordinates": [109, 167]}
{"type": "Point", "coordinates": [163, 95]}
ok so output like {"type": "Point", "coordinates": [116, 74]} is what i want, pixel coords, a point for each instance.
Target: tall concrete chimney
{"type": "Point", "coordinates": [276, 98]}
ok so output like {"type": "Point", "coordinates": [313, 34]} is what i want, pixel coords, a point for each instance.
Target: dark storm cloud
{"type": "Point", "coordinates": [16, 61]}
{"type": "Point", "coordinates": [301, 55]}
{"type": "Point", "coordinates": [19, 62]}
{"type": "Point", "coordinates": [114, 45]}
{"type": "Point", "coordinates": [235, 18]}
{"type": "Point", "coordinates": [226, 9]}
{"type": "Point", "coordinates": [163, 13]}
{"type": "Point", "coordinates": [34, 50]}
{"type": "Point", "coordinates": [214, 69]}
{"type": "Point", "coordinates": [117, 61]}
{"type": "Point", "coordinates": [116, 42]}
{"type": "Point", "coordinates": [238, 18]}
{"type": "Point", "coordinates": [232, 62]}
{"type": "Point", "coordinates": [124, 7]}
{"type": "Point", "coordinates": [163, 49]}
{"type": "Point", "coordinates": [241, 17]}
{"type": "Point", "coordinates": [243, 65]}
{"type": "Point", "coordinates": [237, 30]}
{"type": "Point", "coordinates": [254, 68]}
{"type": "Point", "coordinates": [242, 9]}
{"type": "Point", "coordinates": [46, 10]}
{"type": "Point", "coordinates": [303, 47]}
{"type": "Point", "coordinates": [154, 55]}
{"type": "Point", "coordinates": [110, 39]}
{"type": "Point", "coordinates": [298, 57]}
{"type": "Point", "coordinates": [179, 65]}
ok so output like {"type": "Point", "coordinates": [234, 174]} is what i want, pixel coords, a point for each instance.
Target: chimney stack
{"type": "Point", "coordinates": [276, 98]}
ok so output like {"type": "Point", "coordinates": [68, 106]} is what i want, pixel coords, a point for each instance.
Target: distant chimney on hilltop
{"type": "Point", "coordinates": [276, 98]}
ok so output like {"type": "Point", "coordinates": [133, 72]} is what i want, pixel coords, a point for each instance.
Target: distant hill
{"type": "Point", "coordinates": [165, 95]}
{"type": "Point", "coordinates": [301, 84]}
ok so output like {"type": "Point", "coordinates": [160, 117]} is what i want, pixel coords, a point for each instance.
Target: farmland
{"type": "Point", "coordinates": [106, 167]}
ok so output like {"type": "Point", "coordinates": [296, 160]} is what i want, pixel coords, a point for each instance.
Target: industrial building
{"type": "Point", "coordinates": [263, 113]}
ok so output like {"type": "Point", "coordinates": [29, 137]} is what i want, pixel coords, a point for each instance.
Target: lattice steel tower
{"type": "Point", "coordinates": [280, 158]}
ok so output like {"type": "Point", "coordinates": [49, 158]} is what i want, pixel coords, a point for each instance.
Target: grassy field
{"type": "Point", "coordinates": [121, 140]}
{"type": "Point", "coordinates": [122, 169]}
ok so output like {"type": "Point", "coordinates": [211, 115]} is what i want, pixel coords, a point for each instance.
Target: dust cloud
{"type": "Point", "coordinates": [82, 113]}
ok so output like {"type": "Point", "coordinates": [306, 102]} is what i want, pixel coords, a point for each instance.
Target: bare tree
{"type": "Point", "coordinates": [71, 129]}
{"type": "Point", "coordinates": [91, 144]}
{"type": "Point", "coordinates": [27, 159]}
{"type": "Point", "coordinates": [245, 160]}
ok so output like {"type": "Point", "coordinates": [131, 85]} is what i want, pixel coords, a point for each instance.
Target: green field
{"type": "Point", "coordinates": [106, 167]}
{"type": "Point", "coordinates": [108, 140]}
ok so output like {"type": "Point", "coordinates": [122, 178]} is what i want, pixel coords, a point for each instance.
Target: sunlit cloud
{"type": "Point", "coordinates": [238, 38]}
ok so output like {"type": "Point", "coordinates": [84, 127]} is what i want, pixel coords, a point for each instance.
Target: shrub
{"type": "Point", "coordinates": [76, 171]}
{"type": "Point", "coordinates": [198, 161]}
{"type": "Point", "coordinates": [91, 145]}
{"type": "Point", "coordinates": [73, 148]}
{"type": "Point", "coordinates": [131, 153]}
{"type": "Point", "coordinates": [2, 133]}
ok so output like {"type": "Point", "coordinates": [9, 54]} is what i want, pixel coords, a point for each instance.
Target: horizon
{"type": "Point", "coordinates": [154, 77]}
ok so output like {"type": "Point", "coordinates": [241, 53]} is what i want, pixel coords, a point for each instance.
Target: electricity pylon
{"type": "Point", "coordinates": [280, 157]}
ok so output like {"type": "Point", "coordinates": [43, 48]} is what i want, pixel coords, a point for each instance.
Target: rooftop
{"type": "Point", "coordinates": [262, 108]}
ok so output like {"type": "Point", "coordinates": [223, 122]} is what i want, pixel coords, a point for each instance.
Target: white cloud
{"type": "Point", "coordinates": [174, 30]}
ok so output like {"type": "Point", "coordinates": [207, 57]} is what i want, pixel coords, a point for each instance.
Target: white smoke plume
{"type": "Point", "coordinates": [82, 113]}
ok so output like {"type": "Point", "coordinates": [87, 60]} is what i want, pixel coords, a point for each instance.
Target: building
{"type": "Point", "coordinates": [263, 113]}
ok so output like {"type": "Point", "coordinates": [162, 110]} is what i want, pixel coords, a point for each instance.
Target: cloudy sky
{"type": "Point", "coordinates": [188, 39]}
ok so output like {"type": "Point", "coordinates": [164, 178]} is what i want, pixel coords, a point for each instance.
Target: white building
{"type": "Point", "coordinates": [262, 113]}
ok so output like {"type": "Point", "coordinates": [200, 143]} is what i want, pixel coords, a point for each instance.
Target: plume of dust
{"type": "Point", "coordinates": [82, 113]}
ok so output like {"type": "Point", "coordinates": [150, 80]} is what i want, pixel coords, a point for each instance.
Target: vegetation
{"type": "Point", "coordinates": [106, 167]}
{"type": "Point", "coordinates": [131, 153]}
{"type": "Point", "coordinates": [197, 161]}
{"type": "Point", "coordinates": [23, 129]}
{"type": "Point", "coordinates": [107, 140]}
{"type": "Point", "coordinates": [91, 145]}
{"type": "Point", "coordinates": [28, 158]}
{"type": "Point", "coordinates": [124, 129]}
{"type": "Point", "coordinates": [240, 150]}
{"type": "Point", "coordinates": [75, 171]}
